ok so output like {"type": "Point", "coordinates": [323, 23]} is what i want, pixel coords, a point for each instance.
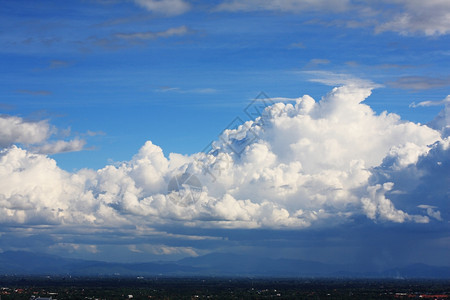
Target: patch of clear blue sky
{"type": "Point", "coordinates": [181, 91]}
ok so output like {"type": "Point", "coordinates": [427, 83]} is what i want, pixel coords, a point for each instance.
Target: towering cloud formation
{"type": "Point", "coordinates": [296, 166]}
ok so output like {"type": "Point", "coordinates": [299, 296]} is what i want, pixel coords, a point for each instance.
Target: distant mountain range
{"type": "Point", "coordinates": [216, 264]}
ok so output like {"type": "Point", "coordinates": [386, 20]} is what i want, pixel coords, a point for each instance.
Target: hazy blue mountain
{"type": "Point", "coordinates": [233, 264]}
{"type": "Point", "coordinates": [215, 264]}
{"type": "Point", "coordinates": [28, 263]}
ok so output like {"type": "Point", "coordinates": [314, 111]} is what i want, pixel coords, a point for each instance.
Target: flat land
{"type": "Point", "coordinates": [19, 287]}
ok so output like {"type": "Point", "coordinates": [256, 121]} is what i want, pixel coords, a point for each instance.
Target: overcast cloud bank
{"type": "Point", "coordinates": [299, 165]}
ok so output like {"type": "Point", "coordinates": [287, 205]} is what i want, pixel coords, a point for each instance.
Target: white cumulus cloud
{"type": "Point", "coordinates": [298, 165]}
{"type": "Point", "coordinates": [35, 135]}
{"type": "Point", "coordinates": [16, 130]}
{"type": "Point", "coordinates": [61, 146]}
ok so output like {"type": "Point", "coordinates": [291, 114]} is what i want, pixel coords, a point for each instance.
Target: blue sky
{"type": "Point", "coordinates": [86, 84]}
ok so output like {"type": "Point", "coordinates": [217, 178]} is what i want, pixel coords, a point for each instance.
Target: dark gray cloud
{"type": "Point", "coordinates": [419, 82]}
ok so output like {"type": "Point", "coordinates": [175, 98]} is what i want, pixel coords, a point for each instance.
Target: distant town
{"type": "Point", "coordinates": [46, 287]}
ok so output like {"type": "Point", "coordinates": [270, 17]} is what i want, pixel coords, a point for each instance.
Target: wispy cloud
{"type": "Point", "coordinates": [283, 5]}
{"type": "Point", "coordinates": [166, 7]}
{"type": "Point", "coordinates": [333, 79]}
{"type": "Point", "coordinates": [6, 106]}
{"type": "Point", "coordinates": [284, 99]}
{"type": "Point", "coordinates": [187, 91]}
{"type": "Point", "coordinates": [56, 64]}
{"type": "Point", "coordinates": [394, 66]}
{"type": "Point", "coordinates": [316, 62]}
{"type": "Point", "coordinates": [298, 45]}
{"type": "Point", "coordinates": [445, 101]}
{"type": "Point", "coordinates": [147, 35]}
{"type": "Point", "coordinates": [425, 17]}
{"type": "Point", "coordinates": [163, 249]}
{"type": "Point", "coordinates": [34, 92]}
{"type": "Point", "coordinates": [419, 82]}
{"type": "Point", "coordinates": [406, 17]}
{"type": "Point", "coordinates": [94, 133]}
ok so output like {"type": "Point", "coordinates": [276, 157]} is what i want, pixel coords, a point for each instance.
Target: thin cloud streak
{"type": "Point", "coordinates": [148, 35]}
{"type": "Point", "coordinates": [165, 7]}
{"type": "Point", "coordinates": [445, 101]}
{"type": "Point", "coordinates": [419, 82]}
{"type": "Point", "coordinates": [35, 92]}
